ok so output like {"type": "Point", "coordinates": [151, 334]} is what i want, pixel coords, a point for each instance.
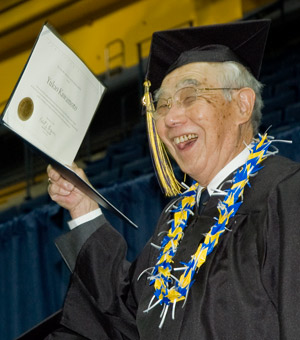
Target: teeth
{"type": "Point", "coordinates": [184, 138]}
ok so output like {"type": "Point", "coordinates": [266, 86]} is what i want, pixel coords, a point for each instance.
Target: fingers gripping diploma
{"type": "Point", "coordinates": [67, 195]}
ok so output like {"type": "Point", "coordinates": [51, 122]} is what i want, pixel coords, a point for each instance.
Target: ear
{"type": "Point", "coordinates": [245, 100]}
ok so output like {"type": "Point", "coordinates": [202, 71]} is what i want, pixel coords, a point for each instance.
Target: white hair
{"type": "Point", "coordinates": [235, 75]}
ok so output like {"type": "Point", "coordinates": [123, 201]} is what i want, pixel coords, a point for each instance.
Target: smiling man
{"type": "Point", "coordinates": [201, 129]}
{"type": "Point", "coordinates": [226, 268]}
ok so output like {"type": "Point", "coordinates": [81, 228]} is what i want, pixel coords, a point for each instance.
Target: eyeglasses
{"type": "Point", "coordinates": [183, 98]}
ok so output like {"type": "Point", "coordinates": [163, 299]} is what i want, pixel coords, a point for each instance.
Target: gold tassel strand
{"type": "Point", "coordinates": [162, 164]}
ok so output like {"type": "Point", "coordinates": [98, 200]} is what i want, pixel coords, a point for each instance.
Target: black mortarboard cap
{"type": "Point", "coordinates": [241, 41]}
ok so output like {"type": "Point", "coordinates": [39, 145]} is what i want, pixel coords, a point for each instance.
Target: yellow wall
{"type": "Point", "coordinates": [250, 5]}
{"type": "Point", "coordinates": [132, 25]}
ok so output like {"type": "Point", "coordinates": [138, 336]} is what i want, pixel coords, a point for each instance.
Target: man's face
{"type": "Point", "coordinates": [204, 135]}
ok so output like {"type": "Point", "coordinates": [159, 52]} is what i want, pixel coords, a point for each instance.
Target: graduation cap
{"type": "Point", "coordinates": [242, 41]}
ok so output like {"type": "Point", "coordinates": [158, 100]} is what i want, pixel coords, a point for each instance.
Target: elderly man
{"type": "Point", "coordinates": [223, 269]}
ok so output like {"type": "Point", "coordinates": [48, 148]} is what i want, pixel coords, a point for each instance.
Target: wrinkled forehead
{"type": "Point", "coordinates": [198, 74]}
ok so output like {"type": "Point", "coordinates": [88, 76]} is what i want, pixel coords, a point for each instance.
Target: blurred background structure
{"type": "Point", "coordinates": [113, 39]}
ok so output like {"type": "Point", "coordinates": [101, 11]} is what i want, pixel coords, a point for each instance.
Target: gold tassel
{"type": "Point", "coordinates": [161, 161]}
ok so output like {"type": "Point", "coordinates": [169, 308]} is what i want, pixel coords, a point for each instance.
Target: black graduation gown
{"type": "Point", "coordinates": [247, 289]}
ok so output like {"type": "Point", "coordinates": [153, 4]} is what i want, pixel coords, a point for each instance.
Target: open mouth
{"type": "Point", "coordinates": [185, 140]}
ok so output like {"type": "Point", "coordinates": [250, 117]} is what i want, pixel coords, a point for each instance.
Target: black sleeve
{"type": "Point", "coordinates": [104, 292]}
{"type": "Point", "coordinates": [69, 244]}
{"type": "Point", "coordinates": [97, 304]}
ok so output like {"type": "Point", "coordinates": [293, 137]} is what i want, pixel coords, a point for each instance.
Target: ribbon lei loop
{"type": "Point", "coordinates": [168, 289]}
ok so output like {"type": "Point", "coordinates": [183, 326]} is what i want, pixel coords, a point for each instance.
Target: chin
{"type": "Point", "coordinates": [187, 172]}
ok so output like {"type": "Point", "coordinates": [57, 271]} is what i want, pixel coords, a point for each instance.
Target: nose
{"type": "Point", "coordinates": [175, 116]}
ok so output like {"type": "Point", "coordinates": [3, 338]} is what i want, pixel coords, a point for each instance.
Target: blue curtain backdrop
{"type": "Point", "coordinates": [33, 277]}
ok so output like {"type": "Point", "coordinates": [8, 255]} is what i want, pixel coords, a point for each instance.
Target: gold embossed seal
{"type": "Point", "coordinates": [25, 108]}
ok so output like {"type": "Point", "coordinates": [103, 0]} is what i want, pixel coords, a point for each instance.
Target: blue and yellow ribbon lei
{"type": "Point", "coordinates": [161, 276]}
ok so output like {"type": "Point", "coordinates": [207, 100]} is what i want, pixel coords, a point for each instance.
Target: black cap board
{"type": "Point", "coordinates": [241, 41]}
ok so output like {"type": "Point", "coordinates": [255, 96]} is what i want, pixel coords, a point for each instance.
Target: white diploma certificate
{"type": "Point", "coordinates": [55, 99]}
{"type": "Point", "coordinates": [52, 106]}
